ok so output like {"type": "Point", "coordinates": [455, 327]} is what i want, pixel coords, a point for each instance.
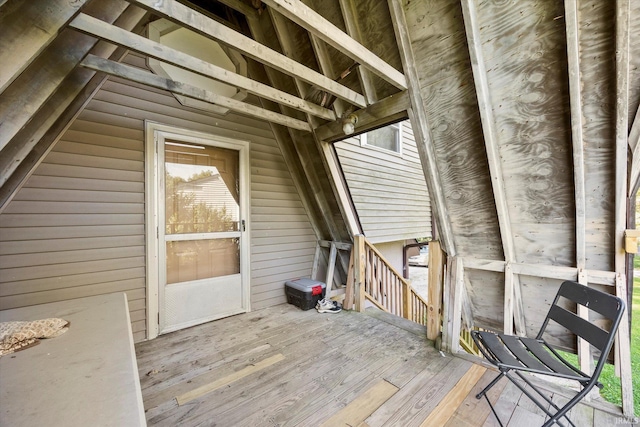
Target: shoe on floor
{"type": "Point", "coordinates": [328, 306]}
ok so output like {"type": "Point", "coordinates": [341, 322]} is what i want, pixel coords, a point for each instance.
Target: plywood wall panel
{"type": "Point", "coordinates": [524, 44]}
{"type": "Point", "coordinates": [597, 72]}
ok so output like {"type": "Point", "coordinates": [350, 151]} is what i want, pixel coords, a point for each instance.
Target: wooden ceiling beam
{"type": "Point", "coordinates": [27, 29]}
{"type": "Point", "coordinates": [105, 31]}
{"type": "Point", "coordinates": [208, 27]}
{"type": "Point", "coordinates": [353, 30]}
{"type": "Point", "coordinates": [30, 146]}
{"type": "Point", "coordinates": [31, 90]}
{"type": "Point", "coordinates": [386, 111]}
{"type": "Point", "coordinates": [327, 152]}
{"type": "Point", "coordinates": [144, 77]}
{"type": "Point", "coordinates": [317, 25]}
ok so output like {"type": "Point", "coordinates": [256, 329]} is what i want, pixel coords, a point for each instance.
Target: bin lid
{"type": "Point", "coordinates": [305, 284]}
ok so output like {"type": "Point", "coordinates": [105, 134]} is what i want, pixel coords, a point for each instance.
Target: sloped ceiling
{"type": "Point", "coordinates": [525, 113]}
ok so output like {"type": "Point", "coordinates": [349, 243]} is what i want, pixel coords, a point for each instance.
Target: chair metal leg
{"type": "Point", "coordinates": [491, 384]}
{"type": "Point", "coordinates": [492, 409]}
{"type": "Point", "coordinates": [553, 418]}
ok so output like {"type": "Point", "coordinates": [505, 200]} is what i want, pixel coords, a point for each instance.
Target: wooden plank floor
{"type": "Point", "coordinates": [285, 367]}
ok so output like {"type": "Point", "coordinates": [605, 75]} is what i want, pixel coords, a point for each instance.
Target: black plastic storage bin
{"type": "Point", "coordinates": [304, 293]}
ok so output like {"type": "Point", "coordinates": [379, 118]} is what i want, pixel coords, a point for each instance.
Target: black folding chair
{"type": "Point", "coordinates": [513, 354]}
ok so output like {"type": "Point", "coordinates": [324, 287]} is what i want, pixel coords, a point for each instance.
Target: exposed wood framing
{"type": "Point", "coordinates": [136, 75]}
{"type": "Point", "coordinates": [391, 109]}
{"type": "Point", "coordinates": [322, 54]}
{"type": "Point", "coordinates": [259, 52]}
{"type": "Point", "coordinates": [623, 352]}
{"type": "Point", "coordinates": [320, 27]}
{"type": "Point", "coordinates": [575, 100]}
{"type": "Point", "coordinates": [546, 271]}
{"type": "Point", "coordinates": [622, 117]}
{"type": "Point", "coordinates": [30, 91]}
{"type": "Point", "coordinates": [513, 293]}
{"type": "Point", "coordinates": [143, 45]}
{"type": "Point", "coordinates": [351, 22]}
{"type": "Point", "coordinates": [292, 154]}
{"type": "Point", "coordinates": [454, 287]}
{"type": "Point", "coordinates": [359, 261]}
{"type": "Point", "coordinates": [327, 151]}
{"type": "Point", "coordinates": [28, 30]}
{"type": "Point", "coordinates": [420, 125]}
{"type": "Point", "coordinates": [34, 140]}
{"type": "Point", "coordinates": [435, 286]}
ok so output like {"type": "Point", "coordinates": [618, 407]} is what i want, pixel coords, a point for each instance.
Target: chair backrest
{"type": "Point", "coordinates": [609, 306]}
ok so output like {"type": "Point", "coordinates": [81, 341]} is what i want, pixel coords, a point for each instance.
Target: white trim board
{"type": "Point", "coordinates": [153, 132]}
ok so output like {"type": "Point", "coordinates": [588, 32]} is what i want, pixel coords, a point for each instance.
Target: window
{"type": "Point", "coordinates": [387, 138]}
{"type": "Point", "coordinates": [169, 34]}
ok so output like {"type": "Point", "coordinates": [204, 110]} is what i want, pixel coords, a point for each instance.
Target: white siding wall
{"type": "Point", "coordinates": [77, 227]}
{"type": "Point", "coordinates": [388, 190]}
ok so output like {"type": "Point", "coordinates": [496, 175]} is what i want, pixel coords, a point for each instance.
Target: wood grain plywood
{"type": "Point", "coordinates": [528, 83]}
{"type": "Point", "coordinates": [374, 21]}
{"type": "Point", "coordinates": [446, 84]}
{"type": "Point", "coordinates": [597, 69]}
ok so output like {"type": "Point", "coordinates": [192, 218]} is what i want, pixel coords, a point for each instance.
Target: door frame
{"type": "Point", "coordinates": [155, 133]}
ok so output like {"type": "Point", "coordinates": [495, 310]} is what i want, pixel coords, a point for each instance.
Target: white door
{"type": "Point", "coordinates": [201, 210]}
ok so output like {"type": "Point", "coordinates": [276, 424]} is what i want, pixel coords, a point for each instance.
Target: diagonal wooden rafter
{"type": "Point", "coordinates": [513, 307]}
{"type": "Point", "coordinates": [293, 148]}
{"type": "Point", "coordinates": [208, 27]}
{"type": "Point", "coordinates": [313, 22]}
{"type": "Point", "coordinates": [39, 82]}
{"type": "Point", "coordinates": [144, 77]}
{"type": "Point", "coordinates": [37, 138]}
{"type": "Point", "coordinates": [350, 21]}
{"type": "Point", "coordinates": [420, 125]}
{"type": "Point", "coordinates": [21, 43]}
{"type": "Point", "coordinates": [327, 151]}
{"type": "Point", "coordinates": [101, 29]}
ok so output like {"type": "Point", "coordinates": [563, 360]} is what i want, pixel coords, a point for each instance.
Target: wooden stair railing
{"type": "Point", "coordinates": [378, 281]}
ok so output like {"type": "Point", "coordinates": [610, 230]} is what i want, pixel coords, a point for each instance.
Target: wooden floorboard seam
{"type": "Point", "coordinates": [447, 406]}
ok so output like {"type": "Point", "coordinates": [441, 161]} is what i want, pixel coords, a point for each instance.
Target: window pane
{"type": "Point", "coordinates": [202, 259]}
{"type": "Point", "coordinates": [386, 137]}
{"type": "Point", "coordinates": [201, 189]}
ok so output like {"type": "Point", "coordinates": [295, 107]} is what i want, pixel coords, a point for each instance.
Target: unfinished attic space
{"type": "Point", "coordinates": [206, 209]}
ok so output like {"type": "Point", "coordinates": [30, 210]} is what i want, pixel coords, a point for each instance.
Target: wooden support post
{"type": "Point", "coordinates": [623, 351]}
{"type": "Point", "coordinates": [331, 264]}
{"type": "Point", "coordinates": [584, 348]}
{"type": "Point", "coordinates": [508, 299]}
{"type": "Point", "coordinates": [406, 301]}
{"type": "Point", "coordinates": [622, 117]}
{"type": "Point", "coordinates": [349, 291]}
{"type": "Point", "coordinates": [359, 259]}
{"type": "Point", "coordinates": [434, 300]}
{"type": "Point", "coordinates": [316, 262]}
{"type": "Point", "coordinates": [453, 306]}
